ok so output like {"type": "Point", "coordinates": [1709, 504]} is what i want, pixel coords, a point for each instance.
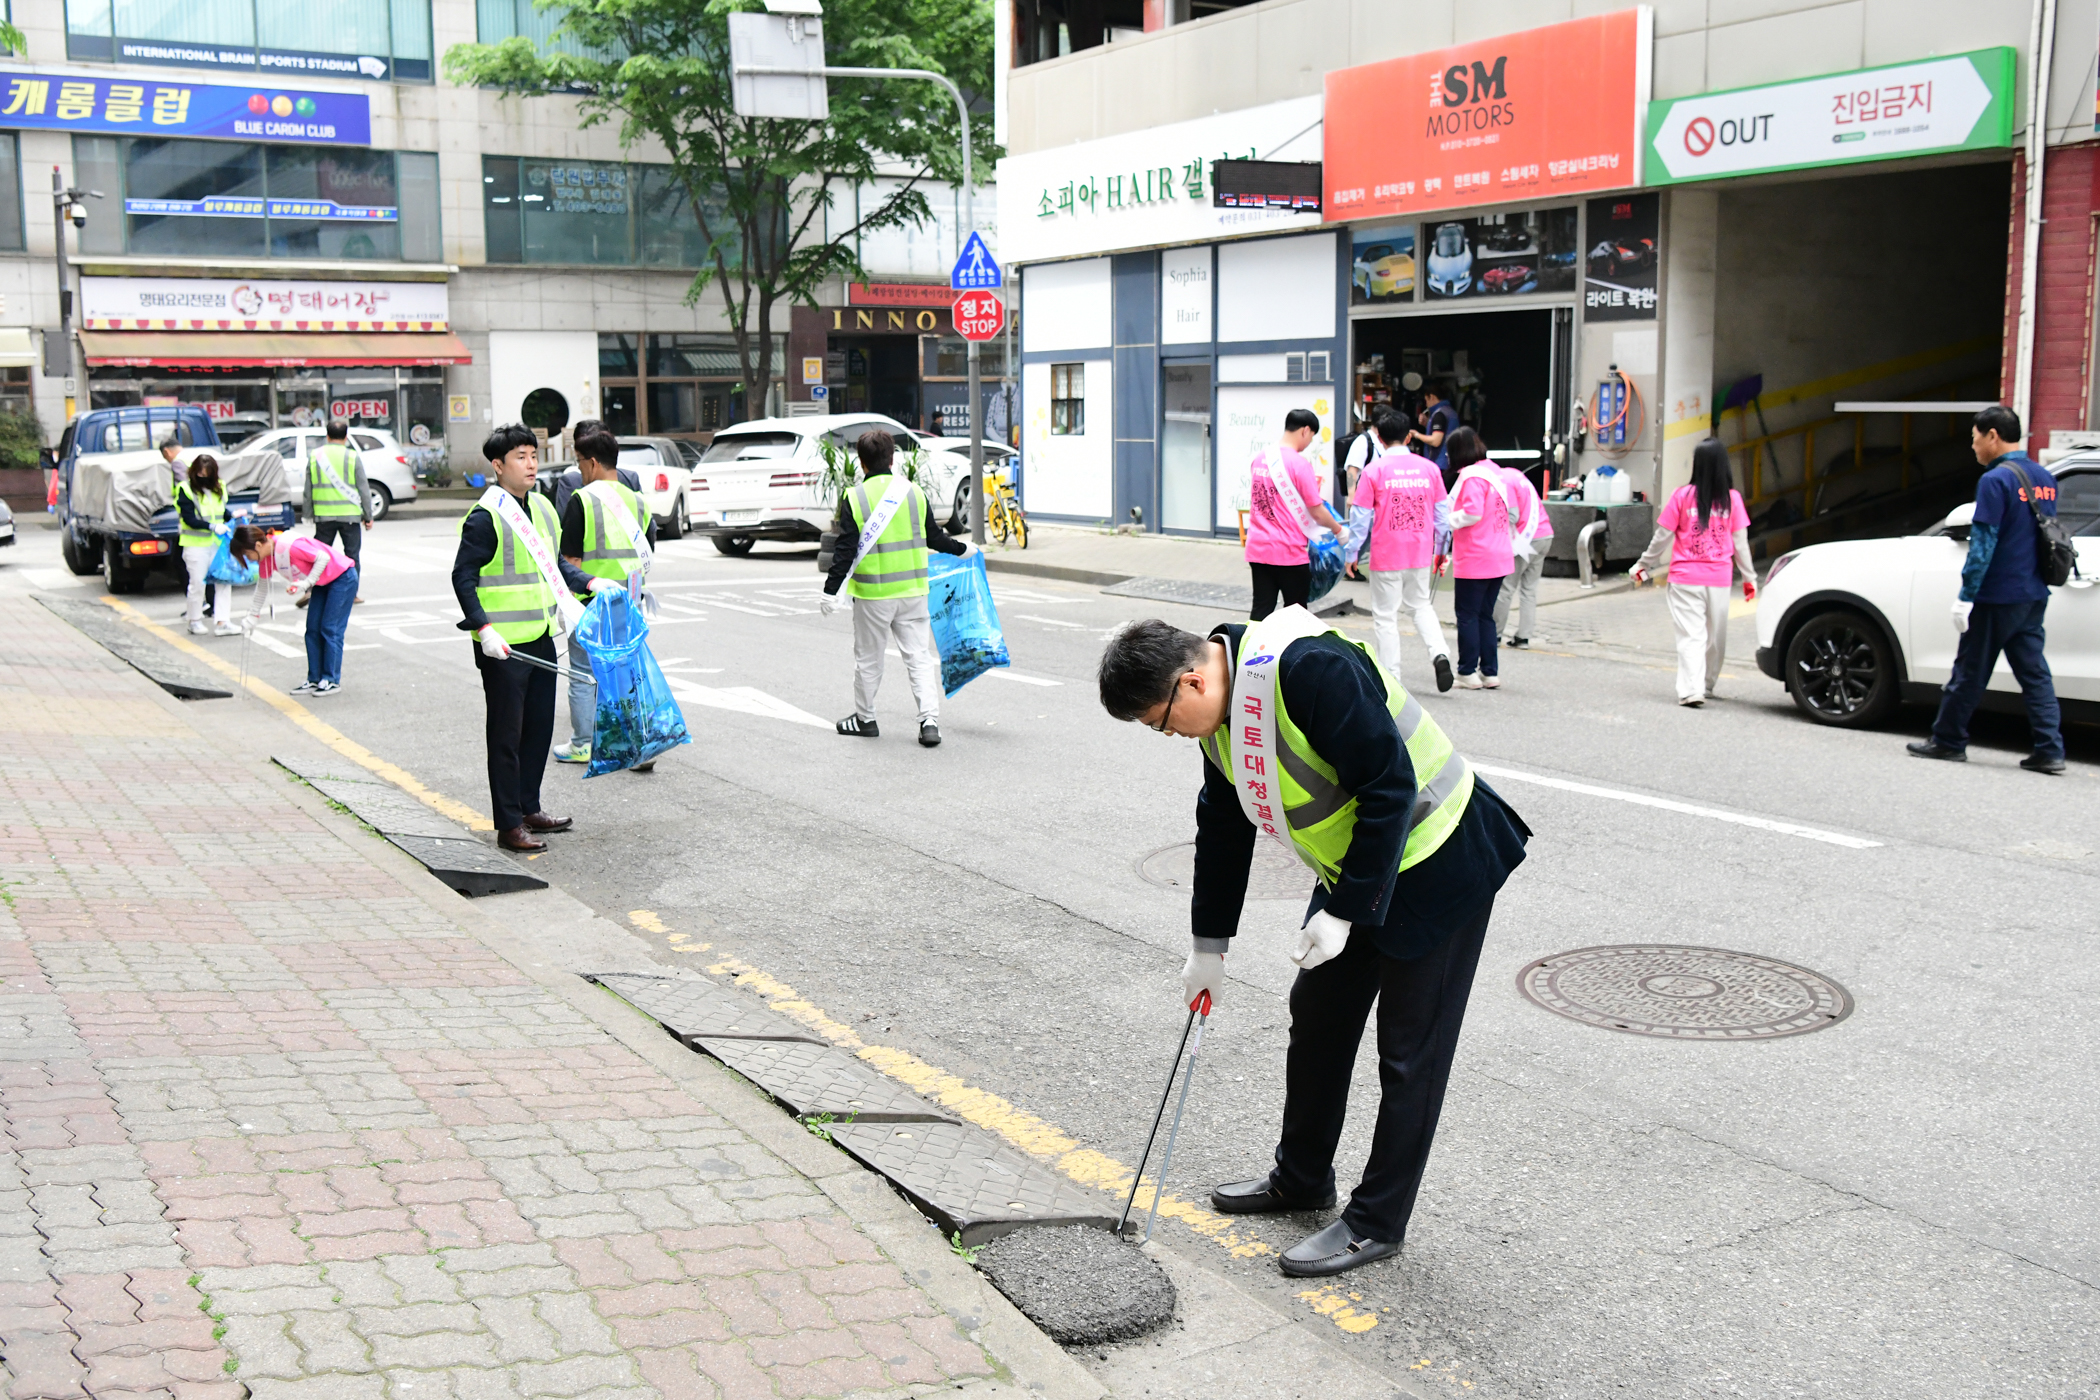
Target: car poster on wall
{"type": "Point", "coordinates": [1619, 271]}
{"type": "Point", "coordinates": [1499, 255]}
{"type": "Point", "coordinates": [1383, 266]}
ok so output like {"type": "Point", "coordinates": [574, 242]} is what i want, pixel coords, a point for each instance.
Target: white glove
{"type": "Point", "coordinates": [970, 548]}
{"type": "Point", "coordinates": [492, 644]}
{"type": "Point", "coordinates": [1321, 940]}
{"type": "Point", "coordinates": [1961, 615]}
{"type": "Point", "coordinates": [830, 604]}
{"type": "Point", "coordinates": [250, 623]}
{"type": "Point", "coordinates": [605, 585]}
{"type": "Point", "coordinates": [1203, 972]}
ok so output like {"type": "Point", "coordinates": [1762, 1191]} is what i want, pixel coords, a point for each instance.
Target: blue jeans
{"type": "Point", "coordinates": [1474, 600]}
{"type": "Point", "coordinates": [2016, 630]}
{"type": "Point", "coordinates": [327, 618]}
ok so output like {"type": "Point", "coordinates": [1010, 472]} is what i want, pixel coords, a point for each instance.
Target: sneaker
{"type": "Point", "coordinates": [1692, 702]}
{"type": "Point", "coordinates": [855, 727]}
{"type": "Point", "coordinates": [2037, 763]}
{"type": "Point", "coordinates": [227, 629]}
{"type": "Point", "coordinates": [1491, 682]}
{"type": "Point", "coordinates": [1469, 681]}
{"type": "Point", "coordinates": [929, 735]}
{"type": "Point", "coordinates": [1524, 642]}
{"type": "Point", "coordinates": [573, 753]}
{"type": "Point", "coordinates": [303, 688]}
{"type": "Point", "coordinates": [198, 629]}
{"type": "Point", "coordinates": [1443, 672]}
{"type": "Point", "coordinates": [328, 687]}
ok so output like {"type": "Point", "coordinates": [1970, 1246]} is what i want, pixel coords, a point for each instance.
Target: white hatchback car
{"type": "Point", "coordinates": [386, 464]}
{"type": "Point", "coordinates": [762, 480]}
{"type": "Point", "coordinates": [1856, 627]}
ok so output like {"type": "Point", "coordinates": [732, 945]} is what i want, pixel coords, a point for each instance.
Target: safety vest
{"type": "Point", "coordinates": [1321, 813]}
{"type": "Point", "coordinates": [513, 595]}
{"type": "Point", "coordinates": [329, 503]}
{"type": "Point", "coordinates": [895, 564]}
{"type": "Point", "coordinates": [209, 504]}
{"type": "Point", "coordinates": [610, 552]}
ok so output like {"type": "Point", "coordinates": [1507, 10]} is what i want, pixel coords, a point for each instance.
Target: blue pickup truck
{"type": "Point", "coordinates": [116, 504]}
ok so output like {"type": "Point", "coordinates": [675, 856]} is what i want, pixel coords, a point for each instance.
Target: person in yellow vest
{"type": "Point", "coordinates": [514, 595]}
{"type": "Point", "coordinates": [885, 529]}
{"type": "Point", "coordinates": [1309, 742]}
{"type": "Point", "coordinates": [599, 532]}
{"type": "Point", "coordinates": [338, 498]}
{"type": "Point", "coordinates": [200, 503]}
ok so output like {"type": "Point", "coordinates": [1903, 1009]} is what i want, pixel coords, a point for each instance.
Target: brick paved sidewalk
{"type": "Point", "coordinates": [276, 1124]}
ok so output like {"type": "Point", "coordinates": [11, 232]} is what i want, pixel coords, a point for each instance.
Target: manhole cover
{"type": "Point", "coordinates": [1684, 993]}
{"type": "Point", "coordinates": [1274, 874]}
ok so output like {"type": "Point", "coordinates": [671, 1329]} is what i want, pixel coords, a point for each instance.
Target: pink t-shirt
{"type": "Point", "coordinates": [1525, 497]}
{"type": "Point", "coordinates": [1273, 536]}
{"type": "Point", "coordinates": [294, 557]}
{"type": "Point", "coordinates": [1705, 558]}
{"type": "Point", "coordinates": [1481, 550]}
{"type": "Point", "coordinates": [1401, 490]}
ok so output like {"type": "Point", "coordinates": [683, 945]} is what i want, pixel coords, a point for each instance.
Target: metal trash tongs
{"type": "Point", "coordinates": [1199, 1017]}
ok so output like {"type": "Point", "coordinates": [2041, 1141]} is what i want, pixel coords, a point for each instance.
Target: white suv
{"type": "Point", "coordinates": [386, 464]}
{"type": "Point", "coordinates": [762, 480]}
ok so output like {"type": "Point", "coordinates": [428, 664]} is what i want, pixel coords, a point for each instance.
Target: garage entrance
{"type": "Point", "coordinates": [1501, 365]}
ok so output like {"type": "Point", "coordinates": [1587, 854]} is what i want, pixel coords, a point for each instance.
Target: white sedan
{"type": "Point", "coordinates": [1856, 627]}
{"type": "Point", "coordinates": [762, 480]}
{"type": "Point", "coordinates": [387, 469]}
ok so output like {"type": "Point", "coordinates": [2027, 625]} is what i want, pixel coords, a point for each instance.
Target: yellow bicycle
{"type": "Point", "coordinates": [1003, 514]}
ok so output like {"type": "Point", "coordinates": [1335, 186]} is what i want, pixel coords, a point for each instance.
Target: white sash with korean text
{"type": "Point", "coordinates": [500, 503]}
{"type": "Point", "coordinates": [1486, 471]}
{"type": "Point", "coordinates": [893, 497]}
{"type": "Point", "coordinates": [1280, 478]}
{"type": "Point", "coordinates": [637, 532]}
{"type": "Point", "coordinates": [328, 474]}
{"type": "Point", "coordinates": [1256, 741]}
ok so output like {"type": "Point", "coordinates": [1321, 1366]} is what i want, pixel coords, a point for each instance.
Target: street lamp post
{"type": "Point", "coordinates": [66, 204]}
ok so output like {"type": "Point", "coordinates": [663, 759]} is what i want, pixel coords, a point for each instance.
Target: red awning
{"type": "Point", "coordinates": [240, 349]}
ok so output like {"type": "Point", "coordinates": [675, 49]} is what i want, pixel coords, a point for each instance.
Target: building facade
{"type": "Point", "coordinates": [288, 232]}
{"type": "Point", "coordinates": [1608, 234]}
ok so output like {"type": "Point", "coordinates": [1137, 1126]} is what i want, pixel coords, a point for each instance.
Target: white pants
{"type": "Point", "coordinates": [196, 559]}
{"type": "Point", "coordinates": [875, 622]}
{"type": "Point", "coordinates": [1700, 614]}
{"type": "Point", "coordinates": [1522, 587]}
{"type": "Point", "coordinates": [1414, 590]}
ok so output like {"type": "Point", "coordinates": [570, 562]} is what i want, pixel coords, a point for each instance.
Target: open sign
{"type": "Point", "coordinates": [371, 410]}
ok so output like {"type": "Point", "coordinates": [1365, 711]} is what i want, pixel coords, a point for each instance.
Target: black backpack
{"type": "Point", "coordinates": [2054, 551]}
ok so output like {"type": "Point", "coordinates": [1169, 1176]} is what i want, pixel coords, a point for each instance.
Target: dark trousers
{"type": "Point", "coordinates": [2016, 630]}
{"type": "Point", "coordinates": [520, 699]}
{"type": "Point", "coordinates": [1420, 1005]}
{"type": "Point", "coordinates": [1293, 581]}
{"type": "Point", "coordinates": [1474, 601]}
{"type": "Point", "coordinates": [346, 531]}
{"type": "Point", "coordinates": [327, 618]}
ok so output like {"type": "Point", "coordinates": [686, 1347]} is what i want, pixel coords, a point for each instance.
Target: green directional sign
{"type": "Point", "coordinates": [1961, 102]}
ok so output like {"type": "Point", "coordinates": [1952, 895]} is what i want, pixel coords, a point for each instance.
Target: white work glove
{"type": "Point", "coordinates": [1961, 615]}
{"type": "Point", "coordinates": [830, 604]}
{"type": "Point", "coordinates": [605, 585]}
{"type": "Point", "coordinates": [492, 644]}
{"type": "Point", "coordinates": [1321, 940]}
{"type": "Point", "coordinates": [970, 547]}
{"type": "Point", "coordinates": [250, 623]}
{"type": "Point", "coordinates": [1203, 972]}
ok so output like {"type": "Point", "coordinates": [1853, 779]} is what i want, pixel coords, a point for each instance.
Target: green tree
{"type": "Point", "coordinates": [758, 187]}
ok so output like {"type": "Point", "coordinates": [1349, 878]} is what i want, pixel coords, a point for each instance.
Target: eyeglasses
{"type": "Point", "coordinates": [1167, 716]}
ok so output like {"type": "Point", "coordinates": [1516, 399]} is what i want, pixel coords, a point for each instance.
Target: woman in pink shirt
{"type": "Point", "coordinates": [1707, 532]}
{"type": "Point", "coordinates": [1534, 530]}
{"type": "Point", "coordinates": [307, 565]}
{"type": "Point", "coordinates": [1482, 519]}
{"type": "Point", "coordinates": [1278, 541]}
{"type": "Point", "coordinates": [1402, 513]}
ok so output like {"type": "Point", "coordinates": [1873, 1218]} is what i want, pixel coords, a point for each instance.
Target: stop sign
{"type": "Point", "coordinates": [979, 315]}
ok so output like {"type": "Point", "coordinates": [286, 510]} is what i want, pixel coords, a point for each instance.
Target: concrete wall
{"type": "Point", "coordinates": [1284, 48]}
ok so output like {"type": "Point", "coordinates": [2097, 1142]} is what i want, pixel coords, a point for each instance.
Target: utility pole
{"type": "Point", "coordinates": [65, 204]}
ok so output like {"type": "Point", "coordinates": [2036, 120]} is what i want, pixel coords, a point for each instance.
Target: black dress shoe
{"type": "Point", "coordinates": [1258, 1197]}
{"type": "Point", "coordinates": [517, 838]}
{"type": "Point", "coordinates": [1334, 1250]}
{"type": "Point", "coordinates": [2035, 763]}
{"type": "Point", "coordinates": [541, 822]}
{"type": "Point", "coordinates": [1933, 748]}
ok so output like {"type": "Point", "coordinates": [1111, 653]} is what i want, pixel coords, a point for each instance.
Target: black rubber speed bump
{"type": "Point", "coordinates": [693, 1008]}
{"type": "Point", "coordinates": [441, 846]}
{"type": "Point", "coordinates": [971, 1182]}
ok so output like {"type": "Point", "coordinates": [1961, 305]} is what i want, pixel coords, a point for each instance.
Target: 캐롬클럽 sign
{"type": "Point", "coordinates": [1960, 102]}
{"type": "Point", "coordinates": [158, 107]}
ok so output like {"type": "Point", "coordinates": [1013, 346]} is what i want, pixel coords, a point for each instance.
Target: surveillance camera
{"type": "Point", "coordinates": [80, 216]}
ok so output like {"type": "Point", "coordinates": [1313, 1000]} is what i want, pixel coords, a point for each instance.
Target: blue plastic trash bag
{"type": "Point", "coordinates": [1327, 560]}
{"type": "Point", "coordinates": [637, 716]}
{"type": "Point", "coordinates": [227, 569]}
{"type": "Point", "coordinates": [965, 620]}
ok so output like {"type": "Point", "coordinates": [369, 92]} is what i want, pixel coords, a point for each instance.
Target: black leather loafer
{"type": "Point", "coordinates": [2040, 763]}
{"type": "Point", "coordinates": [1258, 1197]}
{"type": "Point", "coordinates": [1334, 1250]}
{"type": "Point", "coordinates": [1933, 748]}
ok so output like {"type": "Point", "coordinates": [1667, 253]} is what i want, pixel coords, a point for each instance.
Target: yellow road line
{"type": "Point", "coordinates": [301, 716]}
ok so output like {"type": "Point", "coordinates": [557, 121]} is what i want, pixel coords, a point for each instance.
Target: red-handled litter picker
{"type": "Point", "coordinates": [1199, 1017]}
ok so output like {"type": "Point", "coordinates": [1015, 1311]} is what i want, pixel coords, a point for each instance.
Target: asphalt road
{"type": "Point", "coordinates": [1903, 1205]}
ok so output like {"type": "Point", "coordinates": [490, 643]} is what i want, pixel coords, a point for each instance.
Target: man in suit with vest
{"type": "Point", "coordinates": [515, 593]}
{"type": "Point", "coordinates": [606, 531]}
{"type": "Point", "coordinates": [1308, 741]}
{"type": "Point", "coordinates": [885, 528]}
{"type": "Point", "coordinates": [338, 498]}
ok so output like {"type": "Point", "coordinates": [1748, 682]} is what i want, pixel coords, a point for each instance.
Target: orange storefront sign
{"type": "Point", "coordinates": [1541, 113]}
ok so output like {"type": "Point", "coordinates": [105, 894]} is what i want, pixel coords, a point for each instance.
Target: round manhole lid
{"type": "Point", "coordinates": [1273, 875]}
{"type": "Point", "coordinates": [1682, 993]}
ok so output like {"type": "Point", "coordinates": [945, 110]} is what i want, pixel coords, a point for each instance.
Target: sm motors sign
{"type": "Point", "coordinates": [1544, 112]}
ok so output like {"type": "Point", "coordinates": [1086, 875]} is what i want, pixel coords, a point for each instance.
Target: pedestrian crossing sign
{"type": "Point", "coordinates": [975, 270]}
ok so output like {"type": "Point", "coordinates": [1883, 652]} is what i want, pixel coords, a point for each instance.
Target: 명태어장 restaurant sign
{"type": "Point", "coordinates": [1526, 116]}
